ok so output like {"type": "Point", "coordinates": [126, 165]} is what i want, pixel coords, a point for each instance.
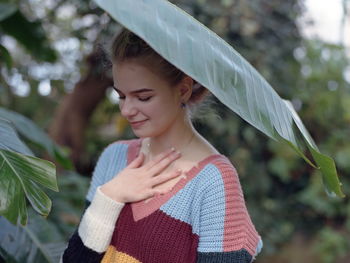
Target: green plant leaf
{"type": "Point", "coordinates": [5, 56]}
{"type": "Point", "coordinates": [208, 59]}
{"type": "Point", "coordinates": [28, 129]}
{"type": "Point", "coordinates": [34, 39]}
{"type": "Point", "coordinates": [325, 163]}
{"type": "Point", "coordinates": [20, 176]}
{"type": "Point", "coordinates": [39, 241]}
{"type": "Point", "coordinates": [10, 140]}
{"type": "Point", "coordinates": [6, 10]}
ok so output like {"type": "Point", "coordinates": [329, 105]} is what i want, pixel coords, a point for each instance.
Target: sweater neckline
{"type": "Point", "coordinates": [143, 209]}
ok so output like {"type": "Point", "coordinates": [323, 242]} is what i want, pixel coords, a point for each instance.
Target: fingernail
{"type": "Point", "coordinates": [172, 149]}
{"type": "Point", "coordinates": [184, 176]}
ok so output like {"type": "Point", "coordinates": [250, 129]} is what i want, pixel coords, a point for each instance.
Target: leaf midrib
{"type": "Point", "coordinates": [12, 168]}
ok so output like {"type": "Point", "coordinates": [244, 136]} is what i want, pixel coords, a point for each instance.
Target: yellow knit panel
{"type": "Point", "coordinates": [114, 256]}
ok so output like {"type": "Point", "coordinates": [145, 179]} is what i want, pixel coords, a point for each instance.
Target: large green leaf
{"type": "Point", "coordinates": [39, 241]}
{"type": "Point", "coordinates": [20, 177]}
{"type": "Point", "coordinates": [32, 132]}
{"type": "Point", "coordinates": [44, 239]}
{"type": "Point", "coordinates": [10, 140]}
{"type": "Point", "coordinates": [208, 59]}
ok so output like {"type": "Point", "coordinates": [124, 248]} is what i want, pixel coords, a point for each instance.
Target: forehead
{"type": "Point", "coordinates": [131, 74]}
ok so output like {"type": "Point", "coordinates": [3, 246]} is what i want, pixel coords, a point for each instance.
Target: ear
{"type": "Point", "coordinates": [185, 88]}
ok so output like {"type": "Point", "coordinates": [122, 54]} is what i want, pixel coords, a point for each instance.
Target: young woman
{"type": "Point", "coordinates": [168, 196]}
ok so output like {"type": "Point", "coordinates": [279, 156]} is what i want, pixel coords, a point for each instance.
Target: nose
{"type": "Point", "coordinates": [127, 109]}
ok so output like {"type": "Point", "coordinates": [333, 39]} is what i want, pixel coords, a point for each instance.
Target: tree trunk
{"type": "Point", "coordinates": [73, 114]}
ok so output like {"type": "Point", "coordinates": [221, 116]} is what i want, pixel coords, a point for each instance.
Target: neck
{"type": "Point", "coordinates": [179, 136]}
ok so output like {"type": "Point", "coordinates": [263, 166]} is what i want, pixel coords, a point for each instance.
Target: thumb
{"type": "Point", "coordinates": [137, 162]}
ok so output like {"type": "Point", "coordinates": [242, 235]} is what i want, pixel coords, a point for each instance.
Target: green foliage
{"type": "Point", "coordinates": [14, 23]}
{"type": "Point", "coordinates": [21, 176]}
{"type": "Point", "coordinates": [331, 245]}
{"type": "Point", "coordinates": [5, 57]}
{"type": "Point", "coordinates": [69, 203]}
{"type": "Point", "coordinates": [31, 243]}
{"type": "Point", "coordinates": [34, 134]}
{"type": "Point", "coordinates": [10, 139]}
{"type": "Point", "coordinates": [44, 239]}
{"type": "Point", "coordinates": [7, 10]}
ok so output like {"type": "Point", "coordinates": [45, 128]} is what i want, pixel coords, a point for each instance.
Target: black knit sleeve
{"type": "Point", "coordinates": [77, 252]}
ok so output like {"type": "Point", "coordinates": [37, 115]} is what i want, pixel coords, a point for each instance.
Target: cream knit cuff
{"type": "Point", "coordinates": [97, 225]}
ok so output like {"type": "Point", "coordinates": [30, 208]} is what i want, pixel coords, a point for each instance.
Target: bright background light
{"type": "Point", "coordinates": [327, 17]}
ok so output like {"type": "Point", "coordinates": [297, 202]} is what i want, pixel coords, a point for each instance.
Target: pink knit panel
{"type": "Point", "coordinates": [239, 231]}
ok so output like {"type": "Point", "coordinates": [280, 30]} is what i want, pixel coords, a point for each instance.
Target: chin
{"type": "Point", "coordinates": [142, 134]}
{"type": "Point", "coordinates": [145, 133]}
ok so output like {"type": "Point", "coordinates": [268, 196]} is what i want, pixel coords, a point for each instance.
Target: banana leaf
{"type": "Point", "coordinates": [21, 177]}
{"type": "Point", "coordinates": [28, 129]}
{"type": "Point", "coordinates": [10, 140]}
{"type": "Point", "coordinates": [38, 241]}
{"type": "Point", "coordinates": [204, 56]}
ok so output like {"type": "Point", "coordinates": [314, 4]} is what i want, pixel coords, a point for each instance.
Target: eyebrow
{"type": "Point", "coordinates": [134, 91]}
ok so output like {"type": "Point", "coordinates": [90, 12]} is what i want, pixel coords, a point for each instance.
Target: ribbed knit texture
{"type": "Point", "coordinates": [97, 225]}
{"type": "Point", "coordinates": [78, 253]}
{"type": "Point", "coordinates": [202, 219]}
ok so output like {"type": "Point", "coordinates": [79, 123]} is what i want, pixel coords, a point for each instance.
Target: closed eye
{"type": "Point", "coordinates": [145, 98]}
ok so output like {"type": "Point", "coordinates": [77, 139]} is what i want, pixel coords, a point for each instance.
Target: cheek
{"type": "Point", "coordinates": [162, 108]}
{"type": "Point", "coordinates": [166, 112]}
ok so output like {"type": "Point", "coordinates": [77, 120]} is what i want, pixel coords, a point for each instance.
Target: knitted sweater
{"type": "Point", "coordinates": [202, 219]}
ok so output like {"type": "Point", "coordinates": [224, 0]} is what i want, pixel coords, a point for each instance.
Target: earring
{"type": "Point", "coordinates": [183, 105]}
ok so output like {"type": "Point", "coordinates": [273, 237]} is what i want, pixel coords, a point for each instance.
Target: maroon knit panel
{"type": "Point", "coordinates": [155, 238]}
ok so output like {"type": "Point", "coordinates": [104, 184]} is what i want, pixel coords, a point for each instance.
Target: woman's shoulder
{"type": "Point", "coordinates": [217, 171]}
{"type": "Point", "coordinates": [210, 160]}
{"type": "Point", "coordinates": [219, 164]}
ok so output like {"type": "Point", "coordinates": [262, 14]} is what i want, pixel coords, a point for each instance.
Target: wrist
{"type": "Point", "coordinates": [112, 193]}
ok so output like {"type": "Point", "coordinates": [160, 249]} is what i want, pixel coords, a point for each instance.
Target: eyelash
{"type": "Point", "coordinates": [140, 99]}
{"type": "Point", "coordinates": [145, 99]}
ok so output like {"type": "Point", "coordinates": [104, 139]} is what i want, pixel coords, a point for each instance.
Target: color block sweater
{"type": "Point", "coordinates": [202, 219]}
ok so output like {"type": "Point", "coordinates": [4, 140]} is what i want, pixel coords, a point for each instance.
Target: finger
{"type": "Point", "coordinates": [159, 157]}
{"type": "Point", "coordinates": [138, 161]}
{"type": "Point", "coordinates": [163, 191]}
{"type": "Point", "coordinates": [164, 163]}
{"type": "Point", "coordinates": [165, 177]}
{"type": "Point", "coordinates": [149, 194]}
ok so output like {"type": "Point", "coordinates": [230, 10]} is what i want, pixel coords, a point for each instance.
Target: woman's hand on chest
{"type": "Point", "coordinates": [140, 181]}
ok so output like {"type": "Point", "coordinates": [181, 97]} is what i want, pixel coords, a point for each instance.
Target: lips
{"type": "Point", "coordinates": [136, 124]}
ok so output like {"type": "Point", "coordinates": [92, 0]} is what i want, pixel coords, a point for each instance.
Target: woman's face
{"type": "Point", "coordinates": [147, 101]}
